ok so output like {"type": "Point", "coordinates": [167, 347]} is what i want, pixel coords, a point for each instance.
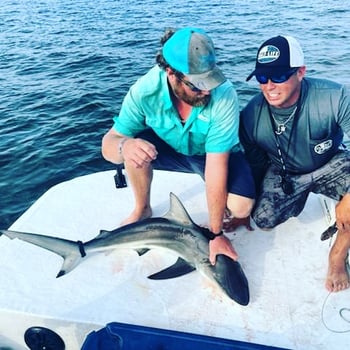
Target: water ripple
{"type": "Point", "coordinates": [66, 65]}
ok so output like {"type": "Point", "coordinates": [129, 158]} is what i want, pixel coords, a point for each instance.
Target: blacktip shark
{"type": "Point", "coordinates": [174, 231]}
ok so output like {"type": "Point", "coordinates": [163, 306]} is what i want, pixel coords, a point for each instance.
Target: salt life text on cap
{"type": "Point", "coordinates": [277, 56]}
{"type": "Point", "coordinates": [191, 52]}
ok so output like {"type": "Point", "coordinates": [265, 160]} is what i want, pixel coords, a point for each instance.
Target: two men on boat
{"type": "Point", "coordinates": [183, 115]}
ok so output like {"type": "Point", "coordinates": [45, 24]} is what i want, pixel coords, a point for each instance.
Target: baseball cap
{"type": "Point", "coordinates": [191, 52]}
{"type": "Point", "coordinates": [277, 56]}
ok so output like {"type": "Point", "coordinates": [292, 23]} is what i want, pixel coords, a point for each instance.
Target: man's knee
{"type": "Point", "coordinates": [239, 206]}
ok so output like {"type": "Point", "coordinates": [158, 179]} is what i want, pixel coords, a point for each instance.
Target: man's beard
{"type": "Point", "coordinates": [196, 101]}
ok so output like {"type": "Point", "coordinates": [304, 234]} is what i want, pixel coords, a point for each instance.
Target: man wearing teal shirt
{"type": "Point", "coordinates": [183, 115]}
{"type": "Point", "coordinates": [209, 128]}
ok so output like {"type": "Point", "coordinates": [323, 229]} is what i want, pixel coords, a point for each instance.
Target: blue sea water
{"type": "Point", "coordinates": [66, 65]}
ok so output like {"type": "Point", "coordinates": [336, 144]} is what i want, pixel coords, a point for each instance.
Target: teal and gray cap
{"type": "Point", "coordinates": [191, 52]}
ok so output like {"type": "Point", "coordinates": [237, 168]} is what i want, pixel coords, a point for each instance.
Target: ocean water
{"type": "Point", "coordinates": [66, 65]}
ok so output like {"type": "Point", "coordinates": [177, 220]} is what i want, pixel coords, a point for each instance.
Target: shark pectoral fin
{"type": "Point", "coordinates": [230, 276]}
{"type": "Point", "coordinates": [180, 268]}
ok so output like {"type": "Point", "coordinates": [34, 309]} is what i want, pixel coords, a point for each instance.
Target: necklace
{"type": "Point", "coordinates": [281, 127]}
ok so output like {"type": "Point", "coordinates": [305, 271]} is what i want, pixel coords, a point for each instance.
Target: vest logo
{"type": "Point", "coordinates": [323, 147]}
{"type": "Point", "coordinates": [268, 54]}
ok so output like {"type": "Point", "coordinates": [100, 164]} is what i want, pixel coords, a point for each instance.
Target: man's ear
{"type": "Point", "coordinates": [169, 71]}
{"type": "Point", "coordinates": [301, 72]}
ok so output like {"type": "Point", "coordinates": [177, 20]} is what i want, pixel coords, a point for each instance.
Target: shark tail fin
{"type": "Point", "coordinates": [70, 251]}
{"type": "Point", "coordinates": [70, 261]}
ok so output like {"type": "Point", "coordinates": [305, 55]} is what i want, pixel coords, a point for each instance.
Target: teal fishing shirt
{"type": "Point", "coordinates": [209, 129]}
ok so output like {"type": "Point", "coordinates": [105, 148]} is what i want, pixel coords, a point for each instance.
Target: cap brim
{"type": "Point", "coordinates": [250, 75]}
{"type": "Point", "coordinates": [208, 80]}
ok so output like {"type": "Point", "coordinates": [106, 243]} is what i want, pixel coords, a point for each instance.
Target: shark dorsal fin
{"type": "Point", "coordinates": [177, 212]}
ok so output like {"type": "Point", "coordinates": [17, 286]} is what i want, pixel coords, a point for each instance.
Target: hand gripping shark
{"type": "Point", "coordinates": [174, 231]}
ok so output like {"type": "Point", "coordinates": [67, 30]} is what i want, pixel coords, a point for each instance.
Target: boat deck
{"type": "Point", "coordinates": [286, 268]}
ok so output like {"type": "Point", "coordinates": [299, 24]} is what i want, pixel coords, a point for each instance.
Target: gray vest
{"type": "Point", "coordinates": [315, 135]}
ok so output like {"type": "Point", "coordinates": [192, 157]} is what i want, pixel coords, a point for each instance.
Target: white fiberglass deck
{"type": "Point", "coordinates": [285, 267]}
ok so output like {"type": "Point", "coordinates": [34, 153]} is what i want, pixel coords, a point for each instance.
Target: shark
{"type": "Point", "coordinates": [174, 231]}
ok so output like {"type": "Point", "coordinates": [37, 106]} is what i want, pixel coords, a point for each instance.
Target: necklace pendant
{"type": "Point", "coordinates": [280, 129]}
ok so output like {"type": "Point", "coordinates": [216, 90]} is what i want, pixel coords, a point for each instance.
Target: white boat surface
{"type": "Point", "coordinates": [285, 267]}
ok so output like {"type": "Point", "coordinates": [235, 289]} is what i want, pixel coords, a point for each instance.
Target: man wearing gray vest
{"type": "Point", "coordinates": [292, 133]}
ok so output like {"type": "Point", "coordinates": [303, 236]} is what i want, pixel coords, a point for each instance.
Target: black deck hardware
{"type": "Point", "coordinates": [119, 178]}
{"type": "Point", "coordinates": [41, 338]}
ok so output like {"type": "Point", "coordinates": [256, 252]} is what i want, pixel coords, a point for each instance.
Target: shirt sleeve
{"type": "Point", "coordinates": [343, 117]}
{"type": "Point", "coordinates": [223, 132]}
{"type": "Point", "coordinates": [131, 118]}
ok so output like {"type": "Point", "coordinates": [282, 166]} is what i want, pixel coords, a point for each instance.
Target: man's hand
{"type": "Point", "coordinates": [138, 152]}
{"type": "Point", "coordinates": [221, 245]}
{"type": "Point", "coordinates": [342, 213]}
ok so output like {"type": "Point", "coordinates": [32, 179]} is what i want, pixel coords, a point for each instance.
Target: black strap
{"type": "Point", "coordinates": [210, 235]}
{"type": "Point", "coordinates": [278, 145]}
{"type": "Point", "coordinates": [81, 248]}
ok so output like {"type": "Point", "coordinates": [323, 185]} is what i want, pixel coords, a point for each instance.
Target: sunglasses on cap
{"type": "Point", "coordinates": [188, 84]}
{"type": "Point", "coordinates": [278, 79]}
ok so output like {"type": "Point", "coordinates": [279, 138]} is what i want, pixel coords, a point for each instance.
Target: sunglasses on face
{"type": "Point", "coordinates": [278, 79]}
{"type": "Point", "coordinates": [188, 84]}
